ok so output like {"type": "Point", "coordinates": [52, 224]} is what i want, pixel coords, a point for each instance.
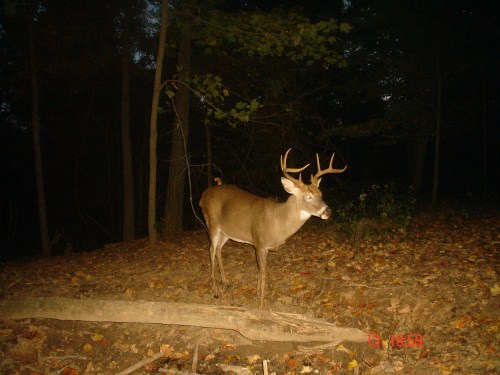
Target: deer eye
{"type": "Point", "coordinates": [308, 197]}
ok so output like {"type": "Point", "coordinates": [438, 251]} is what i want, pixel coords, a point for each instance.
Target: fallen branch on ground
{"type": "Point", "coordinates": [253, 324]}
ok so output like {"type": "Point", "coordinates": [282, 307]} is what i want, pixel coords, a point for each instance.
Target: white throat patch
{"type": "Point", "coordinates": [304, 215]}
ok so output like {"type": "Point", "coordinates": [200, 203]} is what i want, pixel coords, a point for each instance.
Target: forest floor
{"type": "Point", "coordinates": [429, 299]}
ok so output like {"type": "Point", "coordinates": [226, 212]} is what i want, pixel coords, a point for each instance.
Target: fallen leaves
{"type": "Point", "coordinates": [440, 280]}
{"type": "Point", "coordinates": [352, 365]}
{"type": "Point", "coordinates": [292, 363]}
{"type": "Point", "coordinates": [253, 359]}
{"type": "Point", "coordinates": [464, 321]}
{"type": "Point", "coordinates": [28, 344]}
{"type": "Point", "coordinates": [495, 289]}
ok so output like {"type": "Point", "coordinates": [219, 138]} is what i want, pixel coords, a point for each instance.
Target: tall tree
{"type": "Point", "coordinates": [178, 161]}
{"type": "Point", "coordinates": [37, 143]}
{"type": "Point", "coordinates": [127, 164]}
{"type": "Point", "coordinates": [437, 131]}
{"type": "Point", "coordinates": [153, 125]}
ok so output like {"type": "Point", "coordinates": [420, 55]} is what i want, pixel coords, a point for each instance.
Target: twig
{"type": "Point", "coordinates": [99, 225]}
{"type": "Point", "coordinates": [364, 362]}
{"type": "Point", "coordinates": [63, 357]}
{"type": "Point", "coordinates": [264, 367]}
{"type": "Point", "coordinates": [317, 349]}
{"type": "Point", "coordinates": [322, 289]}
{"type": "Point", "coordinates": [176, 372]}
{"type": "Point", "coordinates": [237, 369]}
{"type": "Point", "coordinates": [188, 170]}
{"type": "Point", "coordinates": [363, 285]}
{"type": "Point", "coordinates": [194, 366]}
{"type": "Point", "coordinates": [373, 287]}
{"type": "Point", "coordinates": [34, 369]}
{"type": "Point", "coordinates": [140, 364]}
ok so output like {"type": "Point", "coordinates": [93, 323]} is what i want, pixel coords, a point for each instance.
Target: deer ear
{"type": "Point", "coordinates": [289, 186]}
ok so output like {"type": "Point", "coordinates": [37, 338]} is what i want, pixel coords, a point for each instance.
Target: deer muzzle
{"type": "Point", "coordinates": [326, 213]}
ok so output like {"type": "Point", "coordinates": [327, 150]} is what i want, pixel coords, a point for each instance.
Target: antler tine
{"type": "Point", "coordinates": [330, 169]}
{"type": "Point", "coordinates": [291, 170]}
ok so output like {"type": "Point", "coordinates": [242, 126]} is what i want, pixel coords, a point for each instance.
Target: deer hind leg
{"type": "Point", "coordinates": [222, 241]}
{"type": "Point", "coordinates": [217, 240]}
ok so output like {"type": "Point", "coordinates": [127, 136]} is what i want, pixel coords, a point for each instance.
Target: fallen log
{"type": "Point", "coordinates": [253, 324]}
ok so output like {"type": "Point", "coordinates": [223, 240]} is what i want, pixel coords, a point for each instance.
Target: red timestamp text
{"type": "Point", "coordinates": [397, 340]}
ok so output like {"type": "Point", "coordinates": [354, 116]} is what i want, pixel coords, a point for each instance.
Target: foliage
{"type": "Point", "coordinates": [474, 206]}
{"type": "Point", "coordinates": [275, 33]}
{"type": "Point", "coordinates": [213, 95]}
{"type": "Point", "coordinates": [231, 46]}
{"type": "Point", "coordinates": [273, 90]}
{"type": "Point", "coordinates": [383, 204]}
{"type": "Point", "coordinates": [159, 226]}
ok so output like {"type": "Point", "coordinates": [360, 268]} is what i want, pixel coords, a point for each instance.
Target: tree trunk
{"type": "Point", "coordinates": [153, 134]}
{"type": "Point", "coordinates": [37, 147]}
{"type": "Point", "coordinates": [127, 164]}
{"type": "Point", "coordinates": [419, 153]}
{"type": "Point", "coordinates": [178, 159]}
{"type": "Point", "coordinates": [253, 324]}
{"type": "Point", "coordinates": [484, 125]}
{"type": "Point", "coordinates": [209, 161]}
{"type": "Point", "coordinates": [435, 180]}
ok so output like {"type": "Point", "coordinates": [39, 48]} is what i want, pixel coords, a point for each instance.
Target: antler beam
{"type": "Point", "coordinates": [291, 170]}
{"type": "Point", "coordinates": [316, 178]}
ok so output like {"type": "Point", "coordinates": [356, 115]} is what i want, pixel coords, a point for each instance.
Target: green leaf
{"type": "Point", "coordinates": [254, 105]}
{"type": "Point", "coordinates": [345, 27]}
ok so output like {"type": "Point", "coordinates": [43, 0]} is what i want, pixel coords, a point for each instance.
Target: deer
{"type": "Point", "coordinates": [235, 214]}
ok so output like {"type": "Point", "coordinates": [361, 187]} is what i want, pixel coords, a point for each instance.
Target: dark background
{"type": "Point", "coordinates": [372, 112]}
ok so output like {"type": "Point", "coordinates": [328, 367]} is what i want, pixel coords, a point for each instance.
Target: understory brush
{"type": "Point", "coordinates": [377, 209]}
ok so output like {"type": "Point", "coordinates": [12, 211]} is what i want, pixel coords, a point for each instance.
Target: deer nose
{"type": "Point", "coordinates": [326, 213]}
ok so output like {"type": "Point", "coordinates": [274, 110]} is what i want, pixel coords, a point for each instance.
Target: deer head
{"type": "Point", "coordinates": [309, 197]}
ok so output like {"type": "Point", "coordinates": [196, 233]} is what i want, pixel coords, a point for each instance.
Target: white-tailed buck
{"type": "Point", "coordinates": [232, 213]}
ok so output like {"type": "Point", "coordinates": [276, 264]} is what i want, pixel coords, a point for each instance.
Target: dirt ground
{"type": "Point", "coordinates": [427, 299]}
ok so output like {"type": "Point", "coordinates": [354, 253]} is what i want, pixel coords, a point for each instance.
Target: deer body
{"type": "Point", "coordinates": [232, 213]}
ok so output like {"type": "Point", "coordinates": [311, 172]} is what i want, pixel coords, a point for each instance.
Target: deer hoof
{"type": "Point", "coordinates": [218, 292]}
{"type": "Point", "coordinates": [215, 292]}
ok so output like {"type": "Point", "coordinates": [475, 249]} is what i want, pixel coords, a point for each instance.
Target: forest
{"type": "Point", "coordinates": [405, 93]}
{"type": "Point", "coordinates": [125, 126]}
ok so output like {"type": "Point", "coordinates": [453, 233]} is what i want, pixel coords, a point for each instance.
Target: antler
{"type": "Point", "coordinates": [330, 169]}
{"type": "Point", "coordinates": [292, 170]}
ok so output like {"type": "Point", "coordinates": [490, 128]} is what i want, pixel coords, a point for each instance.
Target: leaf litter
{"type": "Point", "coordinates": [429, 301]}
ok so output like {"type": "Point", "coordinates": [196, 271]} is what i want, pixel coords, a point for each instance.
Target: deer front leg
{"type": "Point", "coordinates": [261, 282]}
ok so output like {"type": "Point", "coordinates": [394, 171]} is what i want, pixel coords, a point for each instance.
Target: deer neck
{"type": "Point", "coordinates": [292, 216]}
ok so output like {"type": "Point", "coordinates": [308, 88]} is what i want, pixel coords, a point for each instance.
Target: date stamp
{"type": "Point", "coordinates": [397, 340]}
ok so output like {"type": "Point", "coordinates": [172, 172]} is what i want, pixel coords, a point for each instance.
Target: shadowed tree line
{"type": "Point", "coordinates": [403, 92]}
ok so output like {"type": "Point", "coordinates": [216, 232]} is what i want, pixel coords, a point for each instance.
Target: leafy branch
{"type": "Point", "coordinates": [212, 94]}
{"type": "Point", "coordinates": [276, 33]}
